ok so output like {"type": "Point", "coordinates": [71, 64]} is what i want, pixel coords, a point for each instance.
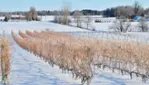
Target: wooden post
{"type": "Point", "coordinates": [90, 72]}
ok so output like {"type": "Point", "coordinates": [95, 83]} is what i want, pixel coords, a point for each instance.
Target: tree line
{"type": "Point", "coordinates": [125, 11]}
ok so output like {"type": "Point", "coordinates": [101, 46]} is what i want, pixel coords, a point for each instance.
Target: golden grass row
{"type": "Point", "coordinates": [5, 46]}
{"type": "Point", "coordinates": [80, 55]}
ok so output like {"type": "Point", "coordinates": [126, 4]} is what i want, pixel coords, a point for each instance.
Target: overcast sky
{"type": "Point", "coordinates": [23, 5]}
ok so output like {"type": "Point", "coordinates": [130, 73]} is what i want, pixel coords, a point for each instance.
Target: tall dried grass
{"type": "Point", "coordinates": [80, 55]}
{"type": "Point", "coordinates": [5, 57]}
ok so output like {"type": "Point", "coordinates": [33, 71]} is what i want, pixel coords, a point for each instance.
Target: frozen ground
{"type": "Point", "coordinates": [27, 69]}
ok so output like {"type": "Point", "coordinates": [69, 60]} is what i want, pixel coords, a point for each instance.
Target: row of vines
{"type": "Point", "coordinates": [80, 56]}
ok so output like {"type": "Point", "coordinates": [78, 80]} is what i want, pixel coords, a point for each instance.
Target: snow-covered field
{"type": "Point", "coordinates": [46, 18]}
{"type": "Point", "coordinates": [35, 25]}
{"type": "Point", "coordinates": [103, 26]}
{"type": "Point", "coordinates": [27, 69]}
{"type": "Point", "coordinates": [131, 36]}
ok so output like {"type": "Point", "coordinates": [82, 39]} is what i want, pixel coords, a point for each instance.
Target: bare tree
{"type": "Point", "coordinates": [77, 18]}
{"type": "Point", "coordinates": [124, 11]}
{"type": "Point", "coordinates": [32, 14]}
{"type": "Point", "coordinates": [28, 16]}
{"type": "Point", "coordinates": [138, 9]}
{"type": "Point", "coordinates": [143, 26]}
{"type": "Point", "coordinates": [88, 21]}
{"type": "Point", "coordinates": [147, 13]}
{"type": "Point", "coordinates": [120, 11]}
{"type": "Point", "coordinates": [57, 17]}
{"type": "Point", "coordinates": [121, 25]}
{"type": "Point", "coordinates": [66, 14]}
{"type": "Point", "coordinates": [129, 10]}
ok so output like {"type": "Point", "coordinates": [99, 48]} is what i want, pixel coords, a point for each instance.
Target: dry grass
{"type": "Point", "coordinates": [5, 58]}
{"type": "Point", "coordinates": [80, 55]}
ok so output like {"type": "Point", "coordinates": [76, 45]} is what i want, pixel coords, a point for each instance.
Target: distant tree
{"type": "Point", "coordinates": [138, 9]}
{"type": "Point", "coordinates": [6, 18]}
{"type": "Point", "coordinates": [120, 11]}
{"type": "Point", "coordinates": [91, 12]}
{"type": "Point", "coordinates": [88, 21]}
{"type": "Point", "coordinates": [147, 13]}
{"type": "Point", "coordinates": [77, 18]}
{"type": "Point", "coordinates": [124, 11]}
{"type": "Point", "coordinates": [110, 12]}
{"type": "Point", "coordinates": [65, 14]}
{"type": "Point", "coordinates": [143, 26]}
{"type": "Point", "coordinates": [32, 14]}
{"type": "Point", "coordinates": [129, 11]}
{"type": "Point", "coordinates": [57, 17]}
{"type": "Point", "coordinates": [28, 16]}
{"type": "Point", "coordinates": [120, 25]}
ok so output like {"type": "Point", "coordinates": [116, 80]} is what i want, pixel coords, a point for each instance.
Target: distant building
{"type": "Point", "coordinates": [17, 17]}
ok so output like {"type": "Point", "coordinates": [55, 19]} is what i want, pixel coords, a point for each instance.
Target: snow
{"type": "Point", "coordinates": [14, 16]}
{"type": "Point", "coordinates": [46, 18]}
{"type": "Point", "coordinates": [28, 69]}
{"type": "Point", "coordinates": [102, 26]}
{"type": "Point", "coordinates": [50, 18]}
{"type": "Point", "coordinates": [35, 25]}
{"type": "Point", "coordinates": [105, 26]}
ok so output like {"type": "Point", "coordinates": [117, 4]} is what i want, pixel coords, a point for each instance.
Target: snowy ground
{"type": "Point", "coordinates": [27, 69]}
{"type": "Point", "coordinates": [105, 26]}
{"type": "Point", "coordinates": [35, 25]}
{"type": "Point", "coordinates": [46, 18]}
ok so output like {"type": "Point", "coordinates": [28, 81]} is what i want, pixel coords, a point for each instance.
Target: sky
{"type": "Point", "coordinates": [24, 5]}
